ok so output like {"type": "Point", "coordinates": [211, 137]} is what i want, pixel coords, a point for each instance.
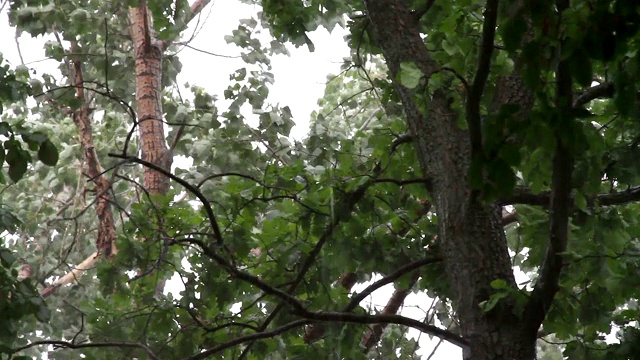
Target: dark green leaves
{"type": "Point", "coordinates": [48, 153]}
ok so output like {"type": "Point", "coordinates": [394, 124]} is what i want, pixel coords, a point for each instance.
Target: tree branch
{"type": "Point", "coordinates": [388, 319]}
{"type": "Point", "coordinates": [423, 9]}
{"type": "Point", "coordinates": [522, 195]}
{"type": "Point", "coordinates": [356, 299]}
{"type": "Point", "coordinates": [247, 338]}
{"type": "Point", "coordinates": [604, 90]}
{"type": "Point", "coordinates": [194, 10]}
{"type": "Point", "coordinates": [474, 94]}
{"type": "Point", "coordinates": [562, 170]}
{"type": "Point", "coordinates": [205, 203]}
{"type": "Point", "coordinates": [394, 303]}
{"type": "Point", "coordinates": [70, 345]}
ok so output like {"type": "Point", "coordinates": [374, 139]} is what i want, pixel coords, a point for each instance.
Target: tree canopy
{"type": "Point", "coordinates": [482, 154]}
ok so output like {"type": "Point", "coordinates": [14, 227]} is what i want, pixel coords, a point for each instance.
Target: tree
{"type": "Point", "coordinates": [463, 142]}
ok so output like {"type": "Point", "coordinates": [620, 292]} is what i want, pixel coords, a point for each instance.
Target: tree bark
{"type": "Point", "coordinates": [473, 242]}
{"type": "Point", "coordinates": [148, 74]}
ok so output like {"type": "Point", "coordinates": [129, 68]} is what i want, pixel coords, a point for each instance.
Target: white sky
{"type": "Point", "coordinates": [299, 83]}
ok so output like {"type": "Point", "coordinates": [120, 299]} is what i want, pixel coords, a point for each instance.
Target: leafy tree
{"type": "Point", "coordinates": [463, 142]}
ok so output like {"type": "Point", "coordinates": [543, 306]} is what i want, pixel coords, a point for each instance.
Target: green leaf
{"type": "Point", "coordinates": [48, 153]}
{"type": "Point", "coordinates": [499, 284]}
{"type": "Point", "coordinates": [409, 75]}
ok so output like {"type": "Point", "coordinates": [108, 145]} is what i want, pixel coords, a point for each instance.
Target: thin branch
{"type": "Point", "coordinates": [248, 338]}
{"type": "Point", "coordinates": [70, 345]}
{"type": "Point", "coordinates": [522, 195]}
{"type": "Point", "coordinates": [388, 319]}
{"type": "Point", "coordinates": [205, 203]}
{"type": "Point", "coordinates": [194, 10]}
{"type": "Point", "coordinates": [400, 182]}
{"type": "Point", "coordinates": [356, 299]}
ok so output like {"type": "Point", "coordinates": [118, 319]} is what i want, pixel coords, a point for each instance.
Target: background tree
{"type": "Point", "coordinates": [463, 142]}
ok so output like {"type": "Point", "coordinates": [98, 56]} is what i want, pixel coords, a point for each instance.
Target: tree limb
{"type": "Point", "coordinates": [547, 285]}
{"type": "Point", "coordinates": [474, 93]}
{"type": "Point", "coordinates": [604, 90]}
{"type": "Point", "coordinates": [356, 299]}
{"type": "Point", "coordinates": [522, 195]}
{"type": "Point", "coordinates": [71, 345]}
{"type": "Point", "coordinates": [194, 10]}
{"type": "Point", "coordinates": [394, 303]}
{"type": "Point", "coordinates": [388, 319]}
{"type": "Point", "coordinates": [195, 191]}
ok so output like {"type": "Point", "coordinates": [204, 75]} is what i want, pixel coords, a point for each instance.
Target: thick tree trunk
{"type": "Point", "coordinates": [473, 241]}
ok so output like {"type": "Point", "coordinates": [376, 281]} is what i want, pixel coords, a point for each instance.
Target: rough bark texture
{"type": "Point", "coordinates": [94, 172]}
{"type": "Point", "coordinates": [473, 241]}
{"type": "Point", "coordinates": [148, 73]}
{"type": "Point", "coordinates": [105, 241]}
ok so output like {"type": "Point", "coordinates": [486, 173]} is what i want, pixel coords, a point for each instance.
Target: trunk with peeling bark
{"type": "Point", "coordinates": [148, 74]}
{"type": "Point", "coordinates": [473, 242]}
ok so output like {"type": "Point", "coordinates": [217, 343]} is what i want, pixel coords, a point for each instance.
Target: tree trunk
{"type": "Point", "coordinates": [148, 73]}
{"type": "Point", "coordinates": [472, 237]}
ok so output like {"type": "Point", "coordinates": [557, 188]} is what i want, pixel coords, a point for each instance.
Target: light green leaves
{"type": "Point", "coordinates": [409, 75]}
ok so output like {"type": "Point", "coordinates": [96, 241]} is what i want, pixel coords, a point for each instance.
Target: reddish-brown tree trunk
{"type": "Point", "coordinates": [148, 75]}
{"type": "Point", "coordinates": [105, 241]}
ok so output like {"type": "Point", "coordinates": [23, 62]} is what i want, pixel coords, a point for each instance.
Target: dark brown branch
{"type": "Point", "coordinates": [400, 182]}
{"type": "Point", "coordinates": [393, 305]}
{"type": "Point", "coordinates": [70, 345]}
{"type": "Point", "coordinates": [604, 90]}
{"type": "Point", "coordinates": [343, 212]}
{"type": "Point", "coordinates": [474, 94]}
{"type": "Point", "coordinates": [619, 198]}
{"type": "Point", "coordinates": [509, 218]}
{"type": "Point", "coordinates": [205, 203]}
{"type": "Point", "coordinates": [388, 319]}
{"type": "Point", "coordinates": [562, 169]}
{"type": "Point", "coordinates": [356, 299]}
{"type": "Point", "coordinates": [524, 196]}
{"type": "Point", "coordinates": [248, 338]}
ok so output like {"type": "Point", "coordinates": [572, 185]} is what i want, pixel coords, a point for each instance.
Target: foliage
{"type": "Point", "coordinates": [297, 215]}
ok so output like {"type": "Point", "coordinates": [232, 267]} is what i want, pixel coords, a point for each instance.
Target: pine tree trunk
{"type": "Point", "coordinates": [148, 74]}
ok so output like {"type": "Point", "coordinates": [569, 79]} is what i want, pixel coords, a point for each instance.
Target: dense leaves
{"type": "Point", "coordinates": [299, 216]}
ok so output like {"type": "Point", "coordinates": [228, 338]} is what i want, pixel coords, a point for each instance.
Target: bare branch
{"type": "Point", "coordinates": [388, 319]}
{"type": "Point", "coordinates": [248, 338]}
{"type": "Point", "coordinates": [356, 299]}
{"type": "Point", "coordinates": [522, 195]}
{"type": "Point", "coordinates": [194, 10]}
{"type": "Point", "coordinates": [71, 276]}
{"type": "Point", "coordinates": [70, 345]}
